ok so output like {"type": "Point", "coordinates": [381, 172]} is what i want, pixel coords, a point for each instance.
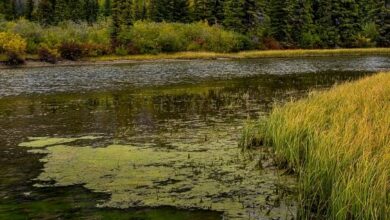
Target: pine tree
{"type": "Point", "coordinates": [346, 15]}
{"type": "Point", "coordinates": [29, 9]}
{"type": "Point", "coordinates": [234, 13]}
{"type": "Point", "coordinates": [301, 23]}
{"type": "Point", "coordinates": [279, 15]}
{"type": "Point", "coordinates": [107, 8]}
{"type": "Point", "coordinates": [203, 10]}
{"type": "Point", "coordinates": [218, 12]}
{"type": "Point", "coordinates": [91, 10]}
{"type": "Point", "coordinates": [160, 10]}
{"type": "Point", "coordinates": [9, 9]}
{"type": "Point", "coordinates": [45, 12]}
{"type": "Point", "coordinates": [326, 23]}
{"type": "Point", "coordinates": [62, 11]}
{"type": "Point", "coordinates": [122, 17]}
{"type": "Point", "coordinates": [383, 22]}
{"type": "Point", "coordinates": [180, 11]}
{"type": "Point", "coordinates": [253, 13]}
{"type": "Point", "coordinates": [76, 10]}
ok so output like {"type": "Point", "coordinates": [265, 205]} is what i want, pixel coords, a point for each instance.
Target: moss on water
{"type": "Point", "coordinates": [40, 142]}
{"type": "Point", "coordinates": [217, 177]}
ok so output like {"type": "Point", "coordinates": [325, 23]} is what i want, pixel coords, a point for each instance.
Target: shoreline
{"type": "Point", "coordinates": [33, 62]}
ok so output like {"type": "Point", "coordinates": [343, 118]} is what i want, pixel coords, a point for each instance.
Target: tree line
{"type": "Point", "coordinates": [283, 23]}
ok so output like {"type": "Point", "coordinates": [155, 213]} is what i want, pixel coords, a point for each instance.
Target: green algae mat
{"type": "Point", "coordinates": [199, 169]}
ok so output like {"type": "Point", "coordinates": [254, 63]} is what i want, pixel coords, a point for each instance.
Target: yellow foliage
{"type": "Point", "coordinates": [12, 43]}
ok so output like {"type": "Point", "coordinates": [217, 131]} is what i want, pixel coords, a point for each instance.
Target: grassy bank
{"type": "Point", "coordinates": [213, 55]}
{"type": "Point", "coordinates": [249, 54]}
{"type": "Point", "coordinates": [338, 142]}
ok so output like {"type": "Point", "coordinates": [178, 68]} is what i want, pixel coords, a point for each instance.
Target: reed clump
{"type": "Point", "coordinates": [338, 143]}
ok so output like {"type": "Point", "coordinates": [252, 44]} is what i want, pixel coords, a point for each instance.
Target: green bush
{"type": "Point", "coordinates": [151, 37]}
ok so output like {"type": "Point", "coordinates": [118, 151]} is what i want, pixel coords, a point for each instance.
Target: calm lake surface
{"type": "Point", "coordinates": [152, 140]}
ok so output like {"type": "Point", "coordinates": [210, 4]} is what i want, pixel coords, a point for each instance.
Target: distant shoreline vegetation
{"type": "Point", "coordinates": [76, 29]}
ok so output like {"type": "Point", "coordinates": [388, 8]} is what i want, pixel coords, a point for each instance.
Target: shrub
{"type": "Point", "coordinates": [71, 51]}
{"type": "Point", "coordinates": [121, 51]}
{"type": "Point", "coordinates": [271, 43]}
{"type": "Point", "coordinates": [310, 40]}
{"type": "Point", "coordinates": [47, 54]}
{"type": "Point", "coordinates": [14, 47]}
{"type": "Point", "coordinates": [151, 37]}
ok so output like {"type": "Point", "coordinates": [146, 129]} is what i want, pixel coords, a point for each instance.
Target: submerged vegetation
{"type": "Point", "coordinates": [338, 143]}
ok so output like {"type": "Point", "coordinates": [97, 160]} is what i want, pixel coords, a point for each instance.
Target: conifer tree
{"type": "Point", "coordinates": [46, 12]}
{"type": "Point", "coordinates": [325, 23]}
{"type": "Point", "coordinates": [122, 17]}
{"type": "Point", "coordinates": [76, 10]}
{"type": "Point", "coordinates": [62, 11]}
{"type": "Point", "coordinates": [9, 9]}
{"type": "Point", "coordinates": [234, 13]}
{"type": "Point", "coordinates": [301, 24]}
{"type": "Point", "coordinates": [29, 9]}
{"type": "Point", "coordinates": [383, 22]}
{"type": "Point", "coordinates": [91, 10]}
{"type": "Point", "coordinates": [160, 10]}
{"type": "Point", "coordinates": [279, 15]}
{"type": "Point", "coordinates": [180, 11]}
{"type": "Point", "coordinates": [203, 10]}
{"type": "Point", "coordinates": [107, 8]}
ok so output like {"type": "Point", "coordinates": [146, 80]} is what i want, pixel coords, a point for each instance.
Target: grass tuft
{"type": "Point", "coordinates": [338, 142]}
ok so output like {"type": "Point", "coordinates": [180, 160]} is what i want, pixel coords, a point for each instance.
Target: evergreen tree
{"type": "Point", "coordinates": [279, 15]}
{"type": "Point", "coordinates": [140, 10]}
{"type": "Point", "coordinates": [301, 23]}
{"type": "Point", "coordinates": [107, 8]}
{"type": "Point", "coordinates": [180, 11]}
{"type": "Point", "coordinates": [218, 12]}
{"type": "Point", "coordinates": [203, 10]}
{"type": "Point", "coordinates": [29, 9]}
{"type": "Point", "coordinates": [9, 9]}
{"type": "Point", "coordinates": [234, 13]}
{"type": "Point", "coordinates": [160, 10]}
{"type": "Point", "coordinates": [346, 15]}
{"type": "Point", "coordinates": [383, 22]}
{"type": "Point", "coordinates": [91, 10]}
{"type": "Point", "coordinates": [76, 10]}
{"type": "Point", "coordinates": [252, 17]}
{"type": "Point", "coordinates": [325, 23]}
{"type": "Point", "coordinates": [46, 12]}
{"type": "Point", "coordinates": [122, 17]}
{"type": "Point", "coordinates": [62, 11]}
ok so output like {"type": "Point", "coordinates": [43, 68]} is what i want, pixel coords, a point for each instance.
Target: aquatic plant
{"type": "Point", "coordinates": [338, 142]}
{"type": "Point", "coordinates": [189, 172]}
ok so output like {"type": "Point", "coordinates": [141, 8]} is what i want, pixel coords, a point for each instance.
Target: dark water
{"type": "Point", "coordinates": [183, 119]}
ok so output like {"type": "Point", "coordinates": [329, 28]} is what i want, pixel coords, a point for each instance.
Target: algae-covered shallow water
{"type": "Point", "coordinates": [151, 141]}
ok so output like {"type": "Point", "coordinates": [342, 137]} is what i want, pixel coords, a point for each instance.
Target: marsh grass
{"type": "Point", "coordinates": [338, 143]}
{"type": "Point", "coordinates": [248, 54]}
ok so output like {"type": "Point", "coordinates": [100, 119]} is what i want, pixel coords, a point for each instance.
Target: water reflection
{"type": "Point", "coordinates": [170, 118]}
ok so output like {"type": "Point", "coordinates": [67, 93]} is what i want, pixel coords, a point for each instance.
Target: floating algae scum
{"type": "Point", "coordinates": [99, 149]}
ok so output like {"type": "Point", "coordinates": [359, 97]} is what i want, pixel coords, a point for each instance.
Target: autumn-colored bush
{"type": "Point", "coordinates": [47, 54]}
{"type": "Point", "coordinates": [14, 47]}
{"type": "Point", "coordinates": [71, 51]}
{"type": "Point", "coordinates": [272, 44]}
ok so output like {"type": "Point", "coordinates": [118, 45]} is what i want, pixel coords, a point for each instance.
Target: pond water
{"type": "Point", "coordinates": [151, 140]}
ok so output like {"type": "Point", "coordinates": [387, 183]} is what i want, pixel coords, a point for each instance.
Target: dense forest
{"type": "Point", "coordinates": [246, 24]}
